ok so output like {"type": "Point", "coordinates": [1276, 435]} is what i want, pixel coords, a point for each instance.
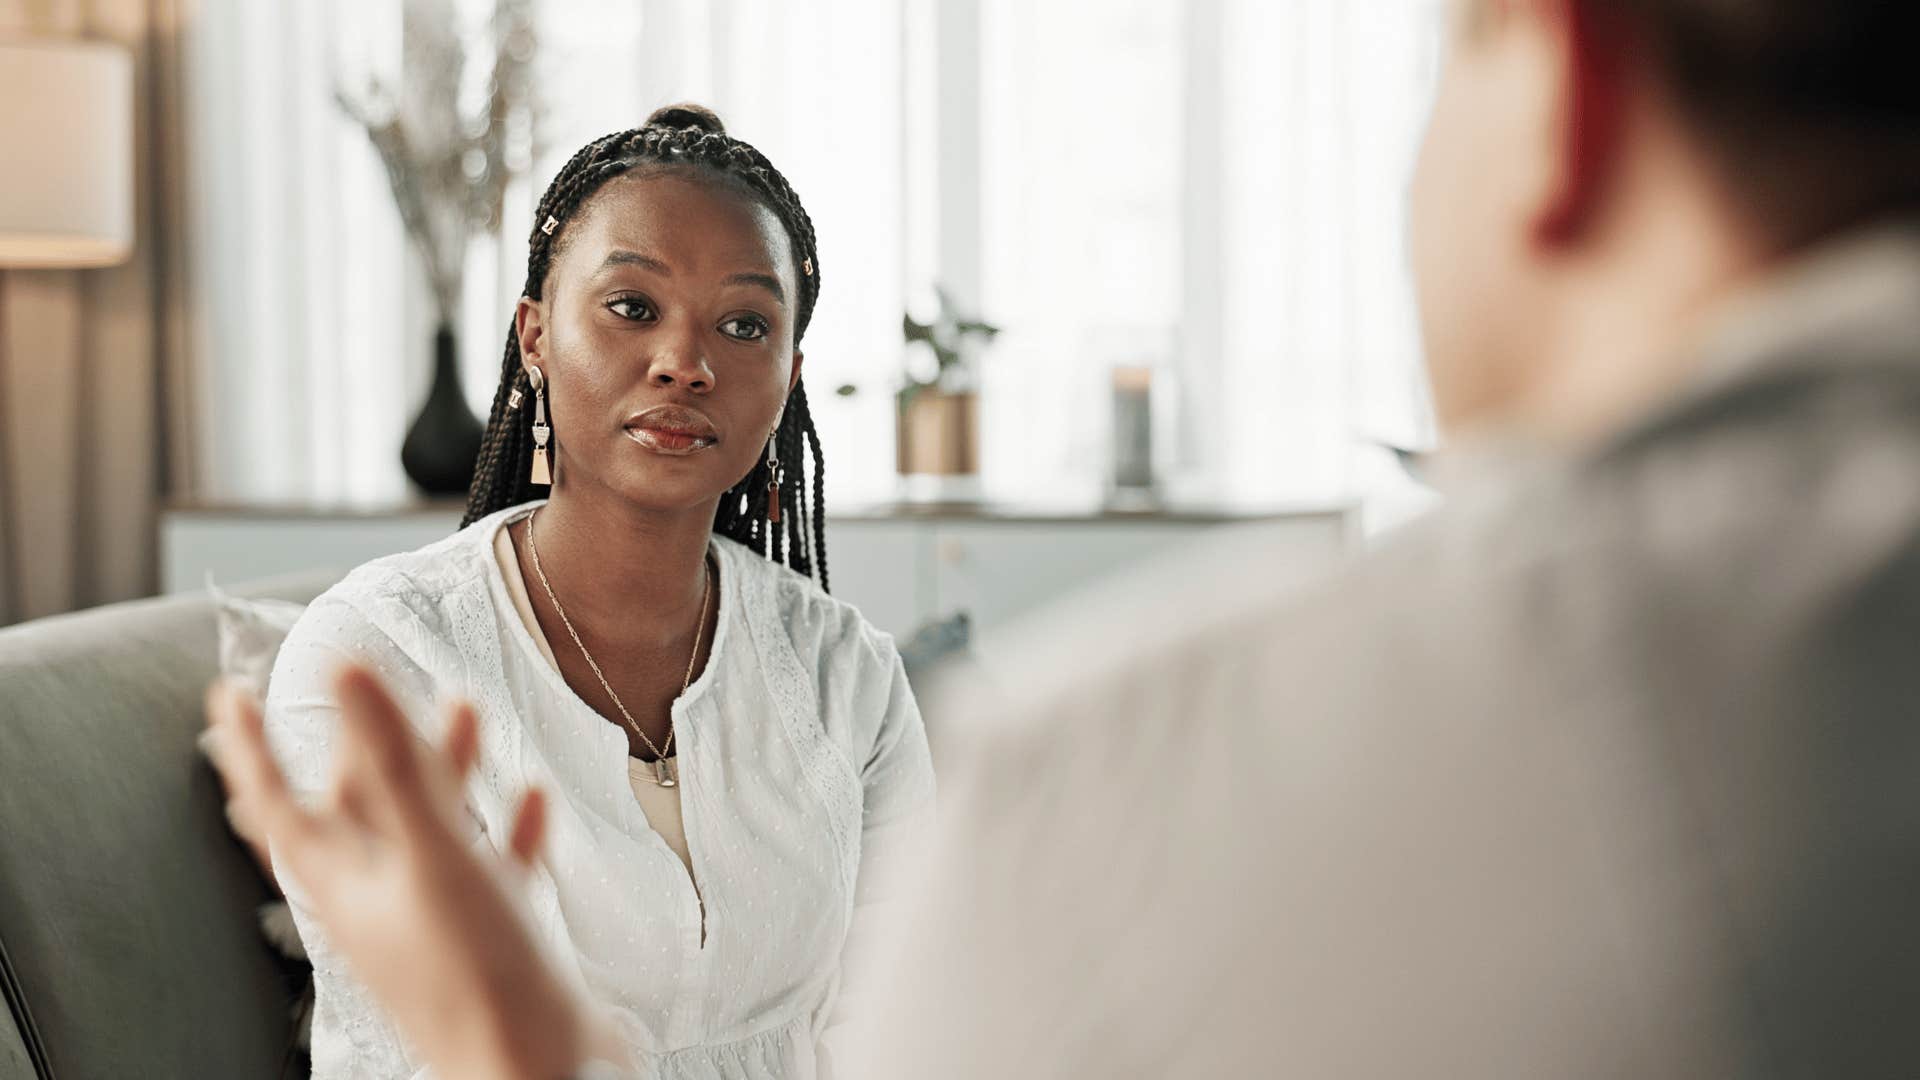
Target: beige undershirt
{"type": "Point", "coordinates": [660, 804]}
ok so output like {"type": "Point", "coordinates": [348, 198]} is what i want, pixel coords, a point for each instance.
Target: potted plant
{"type": "Point", "coordinates": [937, 404]}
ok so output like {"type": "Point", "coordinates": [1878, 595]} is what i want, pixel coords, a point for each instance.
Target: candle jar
{"type": "Point", "coordinates": [1132, 472]}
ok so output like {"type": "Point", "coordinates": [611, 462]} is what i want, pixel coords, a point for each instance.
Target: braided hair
{"type": "Point", "coordinates": [680, 137]}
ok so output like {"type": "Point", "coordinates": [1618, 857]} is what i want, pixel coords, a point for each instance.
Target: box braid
{"type": "Point", "coordinates": [691, 138]}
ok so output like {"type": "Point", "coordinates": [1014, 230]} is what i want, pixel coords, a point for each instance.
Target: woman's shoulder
{"type": "Point", "coordinates": [418, 619]}
{"type": "Point", "coordinates": [419, 585]}
{"type": "Point", "coordinates": [819, 624]}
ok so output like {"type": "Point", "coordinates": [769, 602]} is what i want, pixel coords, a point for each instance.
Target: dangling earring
{"type": "Point", "coordinates": [773, 473]}
{"type": "Point", "coordinates": [542, 474]}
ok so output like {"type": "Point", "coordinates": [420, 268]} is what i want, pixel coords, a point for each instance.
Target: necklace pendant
{"type": "Point", "coordinates": [663, 773]}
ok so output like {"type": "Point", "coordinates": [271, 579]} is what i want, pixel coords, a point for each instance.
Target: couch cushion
{"type": "Point", "coordinates": [126, 906]}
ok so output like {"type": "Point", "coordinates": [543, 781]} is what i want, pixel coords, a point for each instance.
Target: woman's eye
{"type": "Point", "coordinates": [745, 328]}
{"type": "Point", "coordinates": [631, 307]}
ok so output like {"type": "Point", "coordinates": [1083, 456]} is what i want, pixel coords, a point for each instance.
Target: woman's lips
{"type": "Point", "coordinates": [674, 430]}
{"type": "Point", "coordinates": [674, 443]}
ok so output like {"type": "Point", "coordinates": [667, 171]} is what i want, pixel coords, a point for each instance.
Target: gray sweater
{"type": "Point", "coordinates": [1612, 770]}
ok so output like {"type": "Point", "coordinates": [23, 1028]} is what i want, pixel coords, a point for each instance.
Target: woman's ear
{"type": "Point", "coordinates": [798, 359]}
{"type": "Point", "coordinates": [530, 326]}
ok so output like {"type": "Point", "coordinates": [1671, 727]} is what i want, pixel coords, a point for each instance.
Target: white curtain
{"type": "Point", "coordinates": [1213, 187]}
{"type": "Point", "coordinates": [1324, 104]}
{"type": "Point", "coordinates": [311, 307]}
{"type": "Point", "coordinates": [1082, 261]}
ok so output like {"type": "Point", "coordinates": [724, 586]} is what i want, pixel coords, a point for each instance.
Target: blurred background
{"type": "Point", "coordinates": [1098, 276]}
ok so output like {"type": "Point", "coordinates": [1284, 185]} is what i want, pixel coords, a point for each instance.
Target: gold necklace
{"type": "Point", "coordinates": [663, 769]}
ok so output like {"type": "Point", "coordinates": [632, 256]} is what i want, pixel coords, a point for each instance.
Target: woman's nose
{"type": "Point", "coordinates": [680, 361]}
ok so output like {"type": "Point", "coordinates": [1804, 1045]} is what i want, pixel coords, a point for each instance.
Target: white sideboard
{"type": "Point", "coordinates": [900, 565]}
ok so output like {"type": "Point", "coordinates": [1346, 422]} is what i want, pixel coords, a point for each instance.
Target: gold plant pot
{"type": "Point", "coordinates": [939, 435]}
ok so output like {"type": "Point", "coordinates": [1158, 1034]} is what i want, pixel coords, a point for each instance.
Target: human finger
{"type": "Point", "coordinates": [260, 800]}
{"type": "Point", "coordinates": [461, 741]}
{"type": "Point", "coordinates": [529, 830]}
{"type": "Point", "coordinates": [377, 775]}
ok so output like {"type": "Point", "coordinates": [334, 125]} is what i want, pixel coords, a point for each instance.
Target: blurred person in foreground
{"type": "Point", "coordinates": [1608, 767]}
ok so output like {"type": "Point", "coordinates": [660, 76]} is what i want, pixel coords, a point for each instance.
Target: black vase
{"type": "Point", "coordinates": [444, 441]}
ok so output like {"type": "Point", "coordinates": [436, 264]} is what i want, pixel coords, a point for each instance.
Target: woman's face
{"type": "Point", "coordinates": [666, 338]}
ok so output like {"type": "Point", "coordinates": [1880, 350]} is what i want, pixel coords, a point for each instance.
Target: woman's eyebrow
{"type": "Point", "coordinates": [622, 257]}
{"type": "Point", "coordinates": [765, 281]}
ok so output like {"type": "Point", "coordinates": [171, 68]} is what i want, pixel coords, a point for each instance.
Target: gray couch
{"type": "Point", "coordinates": [128, 940]}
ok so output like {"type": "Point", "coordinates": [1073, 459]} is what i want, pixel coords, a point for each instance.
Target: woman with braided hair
{"type": "Point", "coordinates": [729, 755]}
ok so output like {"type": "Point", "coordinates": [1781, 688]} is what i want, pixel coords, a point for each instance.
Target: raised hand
{"type": "Point", "coordinates": [424, 920]}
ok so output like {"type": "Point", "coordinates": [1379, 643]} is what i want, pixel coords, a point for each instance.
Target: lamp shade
{"type": "Point", "coordinates": [66, 132]}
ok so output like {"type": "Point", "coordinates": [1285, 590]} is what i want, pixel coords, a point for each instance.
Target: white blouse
{"type": "Point", "coordinates": [803, 771]}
